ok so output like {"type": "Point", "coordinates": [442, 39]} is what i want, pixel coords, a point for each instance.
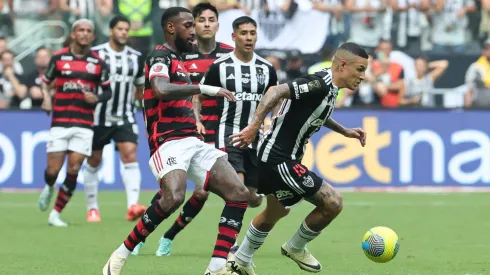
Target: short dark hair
{"type": "Point", "coordinates": [117, 19]}
{"type": "Point", "coordinates": [243, 20]}
{"type": "Point", "coordinates": [6, 52]}
{"type": "Point", "coordinates": [354, 49]}
{"type": "Point", "coordinates": [203, 6]}
{"type": "Point", "coordinates": [169, 13]}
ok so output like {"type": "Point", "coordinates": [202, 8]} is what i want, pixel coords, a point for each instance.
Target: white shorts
{"type": "Point", "coordinates": [189, 154]}
{"type": "Point", "coordinates": [74, 139]}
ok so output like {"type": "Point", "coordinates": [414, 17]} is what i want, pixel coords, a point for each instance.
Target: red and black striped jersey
{"type": "Point", "coordinates": [75, 75]}
{"type": "Point", "coordinates": [196, 64]}
{"type": "Point", "coordinates": [167, 119]}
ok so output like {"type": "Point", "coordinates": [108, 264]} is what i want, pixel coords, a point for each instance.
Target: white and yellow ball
{"type": "Point", "coordinates": [380, 244]}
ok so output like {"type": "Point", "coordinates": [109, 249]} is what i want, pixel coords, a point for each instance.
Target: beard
{"type": "Point", "coordinates": [182, 44]}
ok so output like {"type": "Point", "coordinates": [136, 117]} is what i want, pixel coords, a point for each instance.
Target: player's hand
{"type": "Point", "coordinates": [227, 94]}
{"type": "Point", "coordinates": [245, 137]}
{"type": "Point", "coordinates": [90, 97]}
{"type": "Point", "coordinates": [357, 133]}
{"type": "Point", "coordinates": [47, 105]}
{"type": "Point", "coordinates": [200, 128]}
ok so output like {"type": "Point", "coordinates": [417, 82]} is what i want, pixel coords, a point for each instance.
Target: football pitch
{"type": "Point", "coordinates": [439, 234]}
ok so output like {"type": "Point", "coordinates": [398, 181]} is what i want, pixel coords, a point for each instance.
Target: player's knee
{"type": "Point", "coordinates": [94, 161]}
{"type": "Point", "coordinates": [334, 206]}
{"type": "Point", "coordinates": [128, 157]}
{"type": "Point", "coordinates": [254, 200]}
{"type": "Point", "coordinates": [52, 171]}
{"type": "Point", "coordinates": [240, 193]}
{"type": "Point", "coordinates": [170, 204]}
{"type": "Point", "coordinates": [73, 168]}
{"type": "Point", "coordinates": [201, 195]}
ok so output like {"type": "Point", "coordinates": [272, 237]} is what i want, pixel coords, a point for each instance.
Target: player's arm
{"type": "Point", "coordinates": [272, 97]}
{"type": "Point", "coordinates": [104, 84]}
{"type": "Point", "coordinates": [139, 81]}
{"type": "Point", "coordinates": [356, 133]}
{"type": "Point", "coordinates": [47, 78]}
{"type": "Point", "coordinates": [333, 125]}
{"type": "Point", "coordinates": [273, 81]}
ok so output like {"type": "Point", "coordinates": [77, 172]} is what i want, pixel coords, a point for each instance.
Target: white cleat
{"type": "Point", "coordinates": [223, 271]}
{"type": "Point", "coordinates": [303, 259]}
{"type": "Point", "coordinates": [114, 265]}
{"type": "Point", "coordinates": [55, 220]}
{"type": "Point", "coordinates": [238, 266]}
{"type": "Point", "coordinates": [45, 197]}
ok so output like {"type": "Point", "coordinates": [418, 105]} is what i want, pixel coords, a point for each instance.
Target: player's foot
{"type": "Point", "coordinates": [45, 197]}
{"type": "Point", "coordinates": [137, 248]}
{"type": "Point", "coordinates": [240, 267]}
{"type": "Point", "coordinates": [164, 247]}
{"type": "Point", "coordinates": [55, 220]}
{"type": "Point", "coordinates": [114, 265]}
{"type": "Point", "coordinates": [135, 212]}
{"type": "Point", "coordinates": [93, 215]}
{"type": "Point", "coordinates": [223, 271]}
{"type": "Point", "coordinates": [303, 259]}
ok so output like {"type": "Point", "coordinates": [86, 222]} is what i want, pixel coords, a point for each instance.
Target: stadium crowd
{"type": "Point", "coordinates": [394, 32]}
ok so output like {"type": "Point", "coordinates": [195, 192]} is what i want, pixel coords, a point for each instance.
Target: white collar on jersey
{"type": "Point", "coordinates": [108, 47]}
{"type": "Point", "coordinates": [331, 73]}
{"type": "Point", "coordinates": [236, 60]}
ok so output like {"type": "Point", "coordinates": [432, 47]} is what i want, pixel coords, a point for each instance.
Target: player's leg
{"type": "Point", "coordinates": [189, 211]}
{"type": "Point", "coordinates": [261, 225]}
{"type": "Point", "coordinates": [102, 136]}
{"type": "Point", "coordinates": [56, 149]}
{"type": "Point", "coordinates": [91, 185]}
{"type": "Point", "coordinates": [172, 178]}
{"type": "Point", "coordinates": [126, 138]}
{"type": "Point", "coordinates": [328, 205]}
{"type": "Point", "coordinates": [75, 161]}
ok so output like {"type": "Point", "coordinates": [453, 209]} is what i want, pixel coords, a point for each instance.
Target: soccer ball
{"type": "Point", "coordinates": [380, 244]}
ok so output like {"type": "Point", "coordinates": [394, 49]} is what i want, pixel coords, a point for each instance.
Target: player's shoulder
{"type": "Point", "coordinates": [133, 51]}
{"type": "Point", "coordinates": [160, 54]}
{"type": "Point", "coordinates": [222, 47]}
{"type": "Point", "coordinates": [222, 59]}
{"type": "Point", "coordinates": [95, 57]}
{"type": "Point", "coordinates": [100, 47]}
{"type": "Point", "coordinates": [259, 59]}
{"type": "Point", "coordinates": [325, 74]}
{"type": "Point", "coordinates": [61, 52]}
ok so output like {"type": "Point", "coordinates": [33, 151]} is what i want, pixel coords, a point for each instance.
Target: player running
{"type": "Point", "coordinates": [310, 102]}
{"type": "Point", "coordinates": [176, 148]}
{"type": "Point", "coordinates": [115, 120]}
{"type": "Point", "coordinates": [78, 71]}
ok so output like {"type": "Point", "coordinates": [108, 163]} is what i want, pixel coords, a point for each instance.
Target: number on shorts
{"type": "Point", "coordinates": [299, 169]}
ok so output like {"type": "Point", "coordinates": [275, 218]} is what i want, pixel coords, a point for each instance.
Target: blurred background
{"type": "Point", "coordinates": [424, 103]}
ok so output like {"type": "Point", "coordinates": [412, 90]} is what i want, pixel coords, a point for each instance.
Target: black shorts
{"type": "Point", "coordinates": [289, 181]}
{"type": "Point", "coordinates": [124, 133]}
{"type": "Point", "coordinates": [244, 161]}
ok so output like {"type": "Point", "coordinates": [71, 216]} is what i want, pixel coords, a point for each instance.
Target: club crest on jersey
{"type": "Point", "coordinates": [157, 68]}
{"type": "Point", "coordinates": [313, 85]}
{"type": "Point", "coordinates": [261, 78]}
{"type": "Point", "coordinates": [90, 68]}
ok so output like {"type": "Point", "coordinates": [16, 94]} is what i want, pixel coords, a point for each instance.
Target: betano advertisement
{"type": "Point", "coordinates": [404, 149]}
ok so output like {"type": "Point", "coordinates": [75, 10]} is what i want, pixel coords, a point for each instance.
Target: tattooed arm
{"type": "Point", "coordinates": [270, 100]}
{"type": "Point", "coordinates": [197, 102]}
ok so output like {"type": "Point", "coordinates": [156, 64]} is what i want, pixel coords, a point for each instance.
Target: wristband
{"type": "Point", "coordinates": [209, 90]}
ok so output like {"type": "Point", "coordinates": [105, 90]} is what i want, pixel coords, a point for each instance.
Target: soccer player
{"type": "Point", "coordinates": [78, 71]}
{"type": "Point", "coordinates": [176, 148]}
{"type": "Point", "coordinates": [309, 103]}
{"type": "Point", "coordinates": [115, 119]}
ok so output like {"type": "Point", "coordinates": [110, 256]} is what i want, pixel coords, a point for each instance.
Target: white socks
{"type": "Point", "coordinates": [131, 176]}
{"type": "Point", "coordinates": [251, 243]}
{"type": "Point", "coordinates": [91, 186]}
{"type": "Point", "coordinates": [216, 264]}
{"type": "Point", "coordinates": [303, 236]}
{"type": "Point", "coordinates": [123, 251]}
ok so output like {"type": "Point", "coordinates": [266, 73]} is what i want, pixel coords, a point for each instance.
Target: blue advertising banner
{"type": "Point", "coordinates": [404, 148]}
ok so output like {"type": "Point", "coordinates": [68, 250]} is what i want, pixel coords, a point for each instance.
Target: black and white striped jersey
{"type": "Point", "coordinates": [248, 82]}
{"type": "Point", "coordinates": [126, 71]}
{"type": "Point", "coordinates": [312, 101]}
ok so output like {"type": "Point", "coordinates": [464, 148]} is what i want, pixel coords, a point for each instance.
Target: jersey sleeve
{"type": "Point", "coordinates": [104, 74]}
{"type": "Point", "coordinates": [211, 77]}
{"type": "Point", "coordinates": [272, 78]}
{"type": "Point", "coordinates": [140, 76]}
{"type": "Point", "coordinates": [307, 87]}
{"type": "Point", "coordinates": [50, 73]}
{"type": "Point", "coordinates": [159, 66]}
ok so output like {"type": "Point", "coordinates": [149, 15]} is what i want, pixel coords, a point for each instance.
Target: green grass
{"type": "Point", "coordinates": [440, 234]}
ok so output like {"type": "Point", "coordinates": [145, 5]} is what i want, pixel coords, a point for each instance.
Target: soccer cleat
{"type": "Point", "coordinates": [45, 197]}
{"type": "Point", "coordinates": [54, 220]}
{"type": "Point", "coordinates": [237, 266]}
{"type": "Point", "coordinates": [223, 271]}
{"type": "Point", "coordinates": [114, 265]}
{"type": "Point", "coordinates": [93, 215]}
{"type": "Point", "coordinates": [135, 212]}
{"type": "Point", "coordinates": [137, 248]}
{"type": "Point", "coordinates": [303, 259]}
{"type": "Point", "coordinates": [164, 247]}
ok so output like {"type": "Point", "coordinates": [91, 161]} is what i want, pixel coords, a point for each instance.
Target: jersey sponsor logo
{"type": "Point", "coordinates": [247, 96]}
{"type": "Point", "coordinates": [313, 85]}
{"type": "Point", "coordinates": [284, 195]}
{"type": "Point", "coordinates": [93, 60]}
{"type": "Point", "coordinates": [121, 78]}
{"type": "Point", "coordinates": [78, 85]}
{"type": "Point", "coordinates": [66, 58]}
{"type": "Point", "coordinates": [296, 90]}
{"type": "Point", "coordinates": [220, 54]}
{"type": "Point", "coordinates": [303, 88]}
{"type": "Point", "coordinates": [191, 56]}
